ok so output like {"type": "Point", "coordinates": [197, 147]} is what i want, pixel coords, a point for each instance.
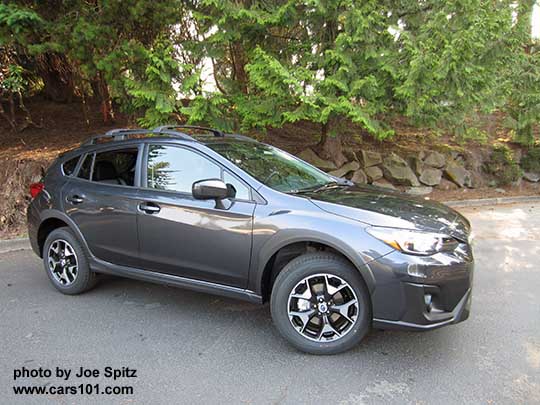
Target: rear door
{"type": "Point", "coordinates": [102, 200]}
{"type": "Point", "coordinates": [187, 237]}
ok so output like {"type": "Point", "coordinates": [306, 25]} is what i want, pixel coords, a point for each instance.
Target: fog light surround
{"type": "Point", "coordinates": [428, 301]}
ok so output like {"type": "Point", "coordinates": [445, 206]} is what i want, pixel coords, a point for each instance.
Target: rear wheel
{"type": "Point", "coordinates": [66, 263]}
{"type": "Point", "coordinates": [320, 304]}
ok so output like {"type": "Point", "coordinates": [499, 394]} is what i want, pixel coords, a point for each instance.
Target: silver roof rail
{"type": "Point", "coordinates": [170, 128]}
{"type": "Point", "coordinates": [121, 134]}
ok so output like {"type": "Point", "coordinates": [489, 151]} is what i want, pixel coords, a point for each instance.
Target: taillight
{"type": "Point", "coordinates": [36, 188]}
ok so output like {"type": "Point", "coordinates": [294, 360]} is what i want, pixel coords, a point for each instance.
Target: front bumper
{"type": "Point", "coordinates": [426, 320]}
{"type": "Point", "coordinates": [422, 293]}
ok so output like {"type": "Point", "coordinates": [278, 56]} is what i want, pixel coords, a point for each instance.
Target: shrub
{"type": "Point", "coordinates": [473, 135]}
{"type": "Point", "coordinates": [531, 161]}
{"type": "Point", "coordinates": [502, 166]}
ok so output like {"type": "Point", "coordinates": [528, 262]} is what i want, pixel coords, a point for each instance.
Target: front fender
{"type": "Point", "coordinates": [272, 232]}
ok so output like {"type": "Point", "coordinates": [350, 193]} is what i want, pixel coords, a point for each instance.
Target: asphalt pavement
{"type": "Point", "coordinates": [188, 347]}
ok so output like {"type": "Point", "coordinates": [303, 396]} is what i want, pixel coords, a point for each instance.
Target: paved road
{"type": "Point", "coordinates": [188, 346]}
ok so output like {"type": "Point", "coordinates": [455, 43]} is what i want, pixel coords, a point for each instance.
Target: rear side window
{"type": "Point", "coordinates": [69, 166]}
{"type": "Point", "coordinates": [86, 168]}
{"type": "Point", "coordinates": [116, 167]}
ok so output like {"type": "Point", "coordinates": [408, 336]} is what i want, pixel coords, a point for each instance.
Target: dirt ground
{"type": "Point", "coordinates": [63, 128]}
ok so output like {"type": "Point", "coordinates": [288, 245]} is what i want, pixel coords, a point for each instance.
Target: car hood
{"type": "Point", "coordinates": [381, 207]}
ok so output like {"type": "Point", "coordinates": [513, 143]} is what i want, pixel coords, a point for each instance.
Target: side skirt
{"type": "Point", "coordinates": [100, 266]}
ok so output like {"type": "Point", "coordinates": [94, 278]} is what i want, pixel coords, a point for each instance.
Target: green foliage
{"type": "Point", "coordinates": [13, 80]}
{"type": "Point", "coordinates": [531, 161]}
{"type": "Point", "coordinates": [257, 64]}
{"type": "Point", "coordinates": [119, 51]}
{"type": "Point", "coordinates": [453, 53]}
{"type": "Point", "coordinates": [522, 76]}
{"type": "Point", "coordinates": [151, 91]}
{"type": "Point", "coordinates": [289, 61]}
{"type": "Point", "coordinates": [523, 105]}
{"type": "Point", "coordinates": [502, 166]}
{"type": "Point", "coordinates": [211, 109]}
{"type": "Point", "coordinates": [17, 21]}
{"type": "Point", "coordinates": [471, 134]}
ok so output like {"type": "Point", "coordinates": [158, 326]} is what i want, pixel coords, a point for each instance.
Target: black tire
{"type": "Point", "coordinates": [84, 278]}
{"type": "Point", "coordinates": [311, 264]}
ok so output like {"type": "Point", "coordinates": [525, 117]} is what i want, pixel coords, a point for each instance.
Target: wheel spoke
{"type": "Point", "coordinates": [343, 309]}
{"type": "Point", "coordinates": [72, 269]}
{"type": "Point", "coordinates": [52, 263]}
{"type": "Point", "coordinates": [68, 251]}
{"type": "Point", "coordinates": [326, 328]}
{"type": "Point", "coordinates": [306, 295]}
{"type": "Point", "coordinates": [330, 289]}
{"type": "Point", "coordinates": [305, 317]}
{"type": "Point", "coordinates": [55, 247]}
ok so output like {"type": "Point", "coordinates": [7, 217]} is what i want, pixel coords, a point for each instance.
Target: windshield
{"type": "Point", "coordinates": [271, 166]}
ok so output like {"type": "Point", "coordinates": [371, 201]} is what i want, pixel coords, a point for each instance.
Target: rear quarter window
{"type": "Point", "coordinates": [68, 167]}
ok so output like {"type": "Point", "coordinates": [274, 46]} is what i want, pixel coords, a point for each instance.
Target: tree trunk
{"type": "Point", "coordinates": [330, 147]}
{"type": "Point", "coordinates": [106, 102]}
{"type": "Point", "coordinates": [239, 61]}
{"type": "Point", "coordinates": [57, 76]}
{"type": "Point", "coordinates": [28, 121]}
{"type": "Point", "coordinates": [6, 116]}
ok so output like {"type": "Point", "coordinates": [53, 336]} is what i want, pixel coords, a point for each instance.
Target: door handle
{"type": "Point", "coordinates": [149, 208]}
{"type": "Point", "coordinates": [75, 199]}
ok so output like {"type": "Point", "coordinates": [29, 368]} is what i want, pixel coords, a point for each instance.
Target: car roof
{"type": "Point", "coordinates": [131, 137]}
{"type": "Point", "coordinates": [176, 132]}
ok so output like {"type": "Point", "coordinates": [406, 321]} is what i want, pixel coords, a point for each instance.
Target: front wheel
{"type": "Point", "coordinates": [320, 304]}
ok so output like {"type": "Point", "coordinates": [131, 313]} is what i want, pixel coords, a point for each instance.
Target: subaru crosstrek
{"type": "Point", "coordinates": [225, 214]}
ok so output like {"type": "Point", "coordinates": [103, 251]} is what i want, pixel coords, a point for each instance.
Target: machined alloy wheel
{"type": "Point", "coordinates": [66, 262]}
{"type": "Point", "coordinates": [62, 261]}
{"type": "Point", "coordinates": [323, 307]}
{"type": "Point", "coordinates": [320, 304]}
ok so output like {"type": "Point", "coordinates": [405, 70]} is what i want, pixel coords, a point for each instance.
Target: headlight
{"type": "Point", "coordinates": [414, 242]}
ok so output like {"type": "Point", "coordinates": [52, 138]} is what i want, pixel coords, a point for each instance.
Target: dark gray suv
{"type": "Point", "coordinates": [227, 215]}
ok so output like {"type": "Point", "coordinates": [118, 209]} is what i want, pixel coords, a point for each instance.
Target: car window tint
{"type": "Point", "coordinates": [242, 192]}
{"type": "Point", "coordinates": [173, 168]}
{"type": "Point", "coordinates": [116, 167]}
{"type": "Point", "coordinates": [86, 167]}
{"type": "Point", "coordinates": [271, 166]}
{"type": "Point", "coordinates": [69, 167]}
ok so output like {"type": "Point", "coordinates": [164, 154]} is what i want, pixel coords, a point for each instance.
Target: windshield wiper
{"type": "Point", "coordinates": [318, 188]}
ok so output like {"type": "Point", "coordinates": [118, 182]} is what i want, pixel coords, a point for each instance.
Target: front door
{"type": "Point", "coordinates": [192, 238]}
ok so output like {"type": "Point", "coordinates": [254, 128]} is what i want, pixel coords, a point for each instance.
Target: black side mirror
{"type": "Point", "coordinates": [212, 189]}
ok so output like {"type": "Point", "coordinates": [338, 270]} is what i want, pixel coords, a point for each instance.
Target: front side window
{"type": "Point", "coordinates": [242, 191]}
{"type": "Point", "coordinates": [271, 166]}
{"type": "Point", "coordinates": [176, 169]}
{"type": "Point", "coordinates": [116, 167]}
